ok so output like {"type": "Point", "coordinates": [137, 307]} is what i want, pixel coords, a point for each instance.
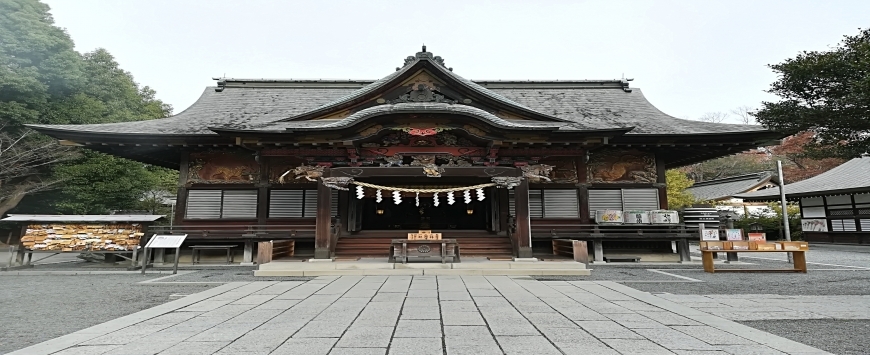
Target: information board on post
{"type": "Point", "coordinates": [164, 242]}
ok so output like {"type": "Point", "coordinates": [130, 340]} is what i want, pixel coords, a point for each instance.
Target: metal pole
{"type": "Point", "coordinates": [784, 206]}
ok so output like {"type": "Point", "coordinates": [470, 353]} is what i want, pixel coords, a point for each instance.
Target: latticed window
{"type": "Point", "coordinates": [550, 203]}
{"type": "Point", "coordinates": [221, 204]}
{"type": "Point", "coordinates": [297, 203]}
{"type": "Point", "coordinates": [623, 200]}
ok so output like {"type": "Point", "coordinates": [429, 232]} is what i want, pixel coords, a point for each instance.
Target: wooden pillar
{"type": "Point", "coordinates": [504, 210]}
{"type": "Point", "coordinates": [263, 192]}
{"type": "Point", "coordinates": [661, 181]}
{"type": "Point", "coordinates": [322, 232]}
{"type": "Point", "coordinates": [583, 195]}
{"type": "Point", "coordinates": [523, 234]}
{"type": "Point", "coordinates": [343, 208]}
{"type": "Point", "coordinates": [181, 194]}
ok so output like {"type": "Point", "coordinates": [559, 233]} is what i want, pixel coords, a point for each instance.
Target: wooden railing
{"type": "Point", "coordinates": [225, 231]}
{"type": "Point", "coordinates": [268, 251]}
{"type": "Point", "coordinates": [618, 232]}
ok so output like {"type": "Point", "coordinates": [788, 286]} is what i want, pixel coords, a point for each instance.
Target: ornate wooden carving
{"type": "Point", "coordinates": [223, 167]}
{"type": "Point", "coordinates": [278, 166]}
{"type": "Point", "coordinates": [401, 150]}
{"type": "Point", "coordinates": [564, 170]}
{"type": "Point", "coordinates": [622, 166]}
{"type": "Point", "coordinates": [537, 173]}
{"type": "Point", "coordinates": [304, 152]}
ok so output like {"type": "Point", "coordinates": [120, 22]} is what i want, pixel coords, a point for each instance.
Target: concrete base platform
{"type": "Point", "coordinates": [380, 266]}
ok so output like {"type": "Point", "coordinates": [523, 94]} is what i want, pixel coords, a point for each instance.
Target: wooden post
{"type": "Point", "coordinates": [322, 232]}
{"type": "Point", "coordinates": [523, 234]}
{"type": "Point", "coordinates": [583, 195]}
{"type": "Point", "coordinates": [263, 192]}
{"type": "Point", "coordinates": [504, 210]}
{"type": "Point", "coordinates": [661, 181]}
{"type": "Point", "coordinates": [343, 201]}
{"type": "Point", "coordinates": [181, 194]}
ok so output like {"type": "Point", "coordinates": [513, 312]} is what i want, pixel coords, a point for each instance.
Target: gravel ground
{"type": "Point", "coordinates": [38, 308]}
{"type": "Point", "coordinates": [838, 336]}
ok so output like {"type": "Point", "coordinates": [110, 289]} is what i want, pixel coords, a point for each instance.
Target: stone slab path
{"type": "Point", "coordinates": [421, 315]}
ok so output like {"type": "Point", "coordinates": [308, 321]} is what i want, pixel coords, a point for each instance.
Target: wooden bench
{"type": "Point", "coordinates": [800, 261]}
{"type": "Point", "coordinates": [197, 252]}
{"type": "Point", "coordinates": [575, 249]}
{"type": "Point", "coordinates": [273, 249]}
{"type": "Point", "coordinates": [424, 249]}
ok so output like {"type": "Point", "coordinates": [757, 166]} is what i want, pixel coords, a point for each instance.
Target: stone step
{"type": "Point", "coordinates": [418, 272]}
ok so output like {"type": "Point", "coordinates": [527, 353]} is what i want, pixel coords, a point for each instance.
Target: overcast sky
{"type": "Point", "coordinates": [689, 57]}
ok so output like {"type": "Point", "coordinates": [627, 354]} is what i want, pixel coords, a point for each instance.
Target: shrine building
{"type": "Point", "coordinates": [343, 166]}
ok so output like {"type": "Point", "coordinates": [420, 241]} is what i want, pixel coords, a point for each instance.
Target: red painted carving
{"type": "Point", "coordinates": [422, 131]}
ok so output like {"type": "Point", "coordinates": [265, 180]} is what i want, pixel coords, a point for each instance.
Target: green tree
{"type": "Point", "coordinates": [45, 81]}
{"type": "Point", "coordinates": [828, 93]}
{"type": "Point", "coordinates": [678, 182]}
{"type": "Point", "coordinates": [38, 61]}
{"type": "Point", "coordinates": [771, 221]}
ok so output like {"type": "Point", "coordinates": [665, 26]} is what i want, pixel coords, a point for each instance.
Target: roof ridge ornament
{"type": "Point", "coordinates": [411, 59]}
{"type": "Point", "coordinates": [423, 94]}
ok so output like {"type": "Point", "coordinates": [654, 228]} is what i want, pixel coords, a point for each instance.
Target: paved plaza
{"type": "Point", "coordinates": [419, 315]}
{"type": "Point", "coordinates": [649, 308]}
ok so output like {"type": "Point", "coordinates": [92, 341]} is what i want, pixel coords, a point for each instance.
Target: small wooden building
{"type": "Point", "coordinates": [251, 152]}
{"type": "Point", "coordinates": [835, 205]}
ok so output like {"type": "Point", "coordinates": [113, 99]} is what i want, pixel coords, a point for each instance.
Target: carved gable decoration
{"type": "Point", "coordinates": [223, 167]}
{"type": "Point", "coordinates": [622, 166]}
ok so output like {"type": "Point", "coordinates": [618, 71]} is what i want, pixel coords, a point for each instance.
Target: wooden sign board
{"type": "Point", "coordinates": [757, 237]}
{"type": "Point", "coordinates": [424, 235]}
{"type": "Point", "coordinates": [734, 234]}
{"type": "Point", "coordinates": [814, 225]}
{"type": "Point", "coordinates": [710, 234]}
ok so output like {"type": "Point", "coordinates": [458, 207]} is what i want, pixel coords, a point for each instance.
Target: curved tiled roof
{"type": "Point", "coordinates": [261, 103]}
{"type": "Point", "coordinates": [725, 188]}
{"type": "Point", "coordinates": [851, 176]}
{"type": "Point", "coordinates": [409, 107]}
{"type": "Point", "coordinates": [614, 108]}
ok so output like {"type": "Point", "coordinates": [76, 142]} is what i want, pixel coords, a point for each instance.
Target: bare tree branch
{"type": "Point", "coordinates": [24, 159]}
{"type": "Point", "coordinates": [744, 113]}
{"type": "Point", "coordinates": [714, 117]}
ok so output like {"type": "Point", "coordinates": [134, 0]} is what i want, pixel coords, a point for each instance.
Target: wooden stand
{"type": "Point", "coordinates": [576, 249]}
{"type": "Point", "coordinates": [423, 249]}
{"type": "Point", "coordinates": [800, 260]}
{"type": "Point", "coordinates": [268, 251]}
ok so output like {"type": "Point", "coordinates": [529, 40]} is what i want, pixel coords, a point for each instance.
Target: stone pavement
{"type": "Point", "coordinates": [421, 315]}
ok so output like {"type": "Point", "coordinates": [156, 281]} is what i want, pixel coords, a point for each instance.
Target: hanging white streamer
{"type": "Point", "coordinates": [360, 193]}
{"type": "Point", "coordinates": [467, 195]}
{"type": "Point", "coordinates": [450, 199]}
{"type": "Point", "coordinates": [379, 197]}
{"type": "Point", "coordinates": [397, 197]}
{"type": "Point", "coordinates": [417, 199]}
{"type": "Point", "coordinates": [435, 199]}
{"type": "Point", "coordinates": [480, 195]}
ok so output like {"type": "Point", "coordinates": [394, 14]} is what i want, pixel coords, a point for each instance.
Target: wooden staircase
{"type": "Point", "coordinates": [377, 244]}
